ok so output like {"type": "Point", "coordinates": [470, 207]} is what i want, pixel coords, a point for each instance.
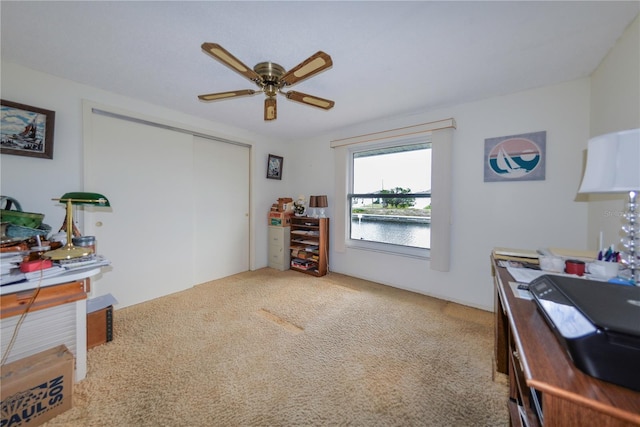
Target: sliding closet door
{"type": "Point", "coordinates": [221, 223]}
{"type": "Point", "coordinates": [148, 235]}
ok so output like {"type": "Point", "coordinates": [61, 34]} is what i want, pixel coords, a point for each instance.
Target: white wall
{"type": "Point", "coordinates": [34, 181]}
{"type": "Point", "coordinates": [518, 214]}
{"type": "Point", "coordinates": [515, 214]}
{"type": "Point", "coordinates": [615, 105]}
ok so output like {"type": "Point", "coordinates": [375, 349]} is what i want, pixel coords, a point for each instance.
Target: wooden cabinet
{"type": "Point", "coordinates": [545, 387]}
{"type": "Point", "coordinates": [310, 245]}
{"type": "Point", "coordinates": [279, 247]}
{"type": "Point", "coordinates": [99, 327]}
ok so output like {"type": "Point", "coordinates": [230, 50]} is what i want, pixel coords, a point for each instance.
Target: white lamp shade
{"type": "Point", "coordinates": [613, 163]}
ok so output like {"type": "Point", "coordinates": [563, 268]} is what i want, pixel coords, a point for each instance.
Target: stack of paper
{"type": "Point", "coordinates": [522, 255]}
{"type": "Point", "coordinates": [586, 256]}
{"type": "Point", "coordinates": [45, 273]}
{"type": "Point", "coordinates": [9, 267]}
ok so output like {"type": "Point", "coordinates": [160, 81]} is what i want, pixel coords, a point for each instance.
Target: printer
{"type": "Point", "coordinates": [597, 323]}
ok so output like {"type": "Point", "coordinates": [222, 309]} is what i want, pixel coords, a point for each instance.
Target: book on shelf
{"type": "Point", "coordinates": [306, 232]}
{"type": "Point", "coordinates": [303, 255]}
{"type": "Point", "coordinates": [302, 264]}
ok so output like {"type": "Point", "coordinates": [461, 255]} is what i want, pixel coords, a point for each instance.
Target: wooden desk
{"type": "Point", "coordinates": [539, 368]}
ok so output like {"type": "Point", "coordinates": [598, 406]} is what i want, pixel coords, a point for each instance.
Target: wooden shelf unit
{"type": "Point", "coordinates": [310, 245]}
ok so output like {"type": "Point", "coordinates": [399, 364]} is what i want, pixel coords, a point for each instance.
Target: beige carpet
{"type": "Point", "coordinates": [269, 348]}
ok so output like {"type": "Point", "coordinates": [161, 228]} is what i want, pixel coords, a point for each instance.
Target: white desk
{"type": "Point", "coordinates": [70, 276]}
{"type": "Point", "coordinates": [60, 319]}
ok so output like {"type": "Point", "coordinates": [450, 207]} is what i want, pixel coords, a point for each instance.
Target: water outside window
{"type": "Point", "coordinates": [391, 196]}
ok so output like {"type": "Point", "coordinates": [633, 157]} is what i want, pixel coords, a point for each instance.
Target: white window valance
{"type": "Point", "coordinates": [401, 132]}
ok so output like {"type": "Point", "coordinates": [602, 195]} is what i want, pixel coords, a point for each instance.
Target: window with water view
{"type": "Point", "coordinates": [390, 196]}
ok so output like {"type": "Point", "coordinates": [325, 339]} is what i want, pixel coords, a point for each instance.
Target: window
{"type": "Point", "coordinates": [439, 135]}
{"type": "Point", "coordinates": [389, 198]}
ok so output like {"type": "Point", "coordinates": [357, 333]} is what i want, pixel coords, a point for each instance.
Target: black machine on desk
{"type": "Point", "coordinates": [597, 323]}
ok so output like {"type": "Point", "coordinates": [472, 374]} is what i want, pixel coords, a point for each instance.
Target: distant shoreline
{"type": "Point", "coordinates": [421, 219]}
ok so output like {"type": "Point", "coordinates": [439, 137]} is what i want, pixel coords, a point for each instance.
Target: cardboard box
{"type": "Point", "coordinates": [285, 204]}
{"type": "Point", "coordinates": [36, 388]}
{"type": "Point", "coordinates": [280, 219]}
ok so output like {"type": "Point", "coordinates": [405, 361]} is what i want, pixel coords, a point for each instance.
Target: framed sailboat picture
{"type": "Point", "coordinates": [26, 130]}
{"type": "Point", "coordinates": [515, 158]}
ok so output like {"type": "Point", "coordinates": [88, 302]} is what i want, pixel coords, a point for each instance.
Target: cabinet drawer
{"type": "Point", "coordinates": [276, 255]}
{"type": "Point", "coordinates": [49, 296]}
{"type": "Point", "coordinates": [279, 247]}
{"type": "Point", "coordinates": [278, 258]}
{"type": "Point", "coordinates": [278, 235]}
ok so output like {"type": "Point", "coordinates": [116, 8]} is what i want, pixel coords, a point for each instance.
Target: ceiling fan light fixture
{"type": "Point", "coordinates": [271, 78]}
{"type": "Point", "coordinates": [269, 70]}
{"type": "Point", "coordinates": [270, 90]}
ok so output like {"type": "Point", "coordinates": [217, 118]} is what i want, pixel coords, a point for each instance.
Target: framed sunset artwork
{"type": "Point", "coordinates": [515, 157]}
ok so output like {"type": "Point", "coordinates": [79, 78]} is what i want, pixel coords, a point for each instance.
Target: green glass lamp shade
{"type": "Point", "coordinates": [81, 198]}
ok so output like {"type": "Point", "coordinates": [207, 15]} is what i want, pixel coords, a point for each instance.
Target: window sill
{"type": "Point", "coordinates": [390, 249]}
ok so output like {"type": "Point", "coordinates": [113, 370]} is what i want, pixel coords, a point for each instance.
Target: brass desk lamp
{"type": "Point", "coordinates": [70, 251]}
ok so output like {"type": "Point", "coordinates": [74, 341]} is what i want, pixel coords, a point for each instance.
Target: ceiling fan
{"type": "Point", "coordinates": [271, 78]}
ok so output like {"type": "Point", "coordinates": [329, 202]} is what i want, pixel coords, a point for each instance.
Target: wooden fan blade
{"type": "Point", "coordinates": [226, 95]}
{"type": "Point", "coordinates": [222, 55]}
{"type": "Point", "coordinates": [270, 109]}
{"type": "Point", "coordinates": [316, 63]}
{"type": "Point", "coordinates": [314, 101]}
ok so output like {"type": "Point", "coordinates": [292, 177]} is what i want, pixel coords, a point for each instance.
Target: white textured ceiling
{"type": "Point", "coordinates": [390, 58]}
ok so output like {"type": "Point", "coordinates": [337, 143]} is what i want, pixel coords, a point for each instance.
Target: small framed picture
{"type": "Point", "coordinates": [26, 130]}
{"type": "Point", "coordinates": [274, 167]}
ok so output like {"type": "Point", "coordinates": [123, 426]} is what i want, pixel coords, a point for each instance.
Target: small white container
{"type": "Point", "coordinates": [552, 264]}
{"type": "Point", "coordinates": [603, 269]}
